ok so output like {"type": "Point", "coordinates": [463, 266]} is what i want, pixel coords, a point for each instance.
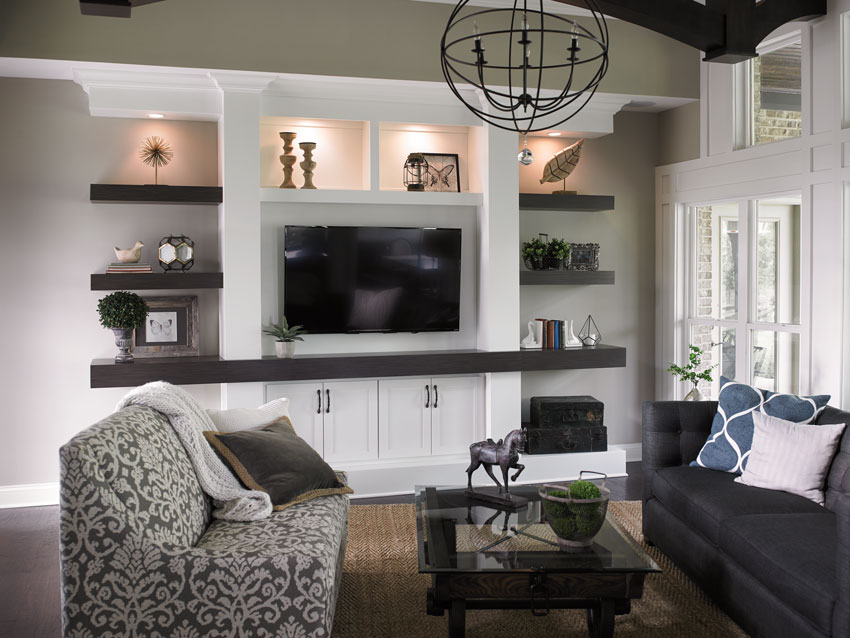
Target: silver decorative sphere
{"type": "Point", "coordinates": [525, 157]}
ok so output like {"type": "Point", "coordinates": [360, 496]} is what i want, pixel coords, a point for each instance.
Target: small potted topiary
{"type": "Point", "coordinates": [286, 336]}
{"type": "Point", "coordinates": [533, 252]}
{"type": "Point", "coordinates": [557, 252]}
{"type": "Point", "coordinates": [542, 254]}
{"type": "Point", "coordinates": [575, 512]}
{"type": "Point", "coordinates": [123, 312]}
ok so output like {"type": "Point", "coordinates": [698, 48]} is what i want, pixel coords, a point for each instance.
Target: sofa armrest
{"type": "Point", "coordinates": [673, 434]}
{"type": "Point", "coordinates": [841, 614]}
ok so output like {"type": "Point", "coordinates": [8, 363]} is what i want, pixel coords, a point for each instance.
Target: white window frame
{"type": "Point", "coordinates": [746, 323]}
{"type": "Point", "coordinates": [742, 90]}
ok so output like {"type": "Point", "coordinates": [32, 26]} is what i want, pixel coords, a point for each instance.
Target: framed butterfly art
{"type": "Point", "coordinates": [170, 328]}
{"type": "Point", "coordinates": [443, 172]}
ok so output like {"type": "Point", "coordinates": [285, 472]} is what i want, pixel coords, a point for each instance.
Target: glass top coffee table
{"type": "Point", "coordinates": [483, 557]}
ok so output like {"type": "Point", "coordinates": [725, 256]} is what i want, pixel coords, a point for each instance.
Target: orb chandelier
{"type": "Point", "coordinates": [500, 52]}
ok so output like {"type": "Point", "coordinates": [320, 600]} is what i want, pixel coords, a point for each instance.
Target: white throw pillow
{"type": "Point", "coordinates": [239, 419]}
{"type": "Point", "coordinates": [792, 457]}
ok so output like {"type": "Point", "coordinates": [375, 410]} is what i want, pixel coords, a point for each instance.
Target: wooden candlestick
{"type": "Point", "coordinates": [308, 165]}
{"type": "Point", "coordinates": [287, 159]}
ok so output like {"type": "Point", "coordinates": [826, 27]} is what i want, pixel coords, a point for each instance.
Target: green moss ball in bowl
{"type": "Point", "coordinates": [575, 512]}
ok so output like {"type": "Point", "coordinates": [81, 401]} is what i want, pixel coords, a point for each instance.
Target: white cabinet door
{"type": "Point", "coordinates": [304, 409]}
{"type": "Point", "coordinates": [457, 413]}
{"type": "Point", "coordinates": [405, 417]}
{"type": "Point", "coordinates": [351, 420]}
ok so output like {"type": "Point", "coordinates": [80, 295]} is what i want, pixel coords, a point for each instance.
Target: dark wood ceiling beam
{"type": "Point", "coordinates": [683, 20]}
{"type": "Point", "coordinates": [726, 30]}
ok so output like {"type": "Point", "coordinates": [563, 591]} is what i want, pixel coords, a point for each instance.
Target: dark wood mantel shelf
{"type": "Point", "coordinates": [105, 373]}
{"type": "Point", "coordinates": [155, 194]}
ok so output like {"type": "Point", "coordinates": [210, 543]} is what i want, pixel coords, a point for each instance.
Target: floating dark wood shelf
{"type": "Point", "coordinates": [156, 194]}
{"type": "Point", "coordinates": [565, 277]}
{"type": "Point", "coordinates": [105, 373]}
{"type": "Point", "coordinates": [157, 281]}
{"type": "Point", "coordinates": [587, 203]}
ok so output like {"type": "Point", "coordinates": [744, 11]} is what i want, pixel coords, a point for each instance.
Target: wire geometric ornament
{"type": "Point", "coordinates": [512, 88]}
{"type": "Point", "coordinates": [589, 333]}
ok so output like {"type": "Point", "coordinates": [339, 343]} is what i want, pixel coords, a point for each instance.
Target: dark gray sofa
{"type": "Point", "coordinates": [777, 563]}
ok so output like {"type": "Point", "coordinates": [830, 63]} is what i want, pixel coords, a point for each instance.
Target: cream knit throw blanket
{"type": "Point", "coordinates": [232, 501]}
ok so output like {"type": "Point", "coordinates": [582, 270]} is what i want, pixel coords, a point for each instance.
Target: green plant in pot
{"type": "Point", "coordinates": [542, 254]}
{"type": "Point", "coordinates": [690, 372]}
{"type": "Point", "coordinates": [285, 336]}
{"type": "Point", "coordinates": [123, 312]}
{"type": "Point", "coordinates": [575, 512]}
{"type": "Point", "coordinates": [558, 251]}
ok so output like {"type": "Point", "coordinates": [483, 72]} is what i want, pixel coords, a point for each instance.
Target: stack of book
{"type": "Point", "coordinates": [128, 268]}
{"type": "Point", "coordinates": [554, 334]}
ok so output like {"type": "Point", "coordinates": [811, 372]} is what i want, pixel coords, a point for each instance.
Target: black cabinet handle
{"type": "Point", "coordinates": [436, 395]}
{"type": "Point", "coordinates": [427, 395]}
{"type": "Point", "coordinates": [319, 394]}
{"type": "Point", "coordinates": [328, 402]}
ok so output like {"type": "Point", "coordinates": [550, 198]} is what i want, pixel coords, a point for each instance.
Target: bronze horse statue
{"type": "Point", "coordinates": [505, 454]}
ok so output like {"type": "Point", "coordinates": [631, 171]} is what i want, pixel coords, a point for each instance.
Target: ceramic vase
{"type": "Point", "coordinates": [694, 395]}
{"type": "Point", "coordinates": [284, 349]}
{"type": "Point", "coordinates": [287, 159]}
{"type": "Point", "coordinates": [124, 341]}
{"type": "Point", "coordinates": [308, 165]}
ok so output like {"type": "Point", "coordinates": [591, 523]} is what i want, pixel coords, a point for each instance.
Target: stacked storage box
{"type": "Point", "coordinates": [566, 424]}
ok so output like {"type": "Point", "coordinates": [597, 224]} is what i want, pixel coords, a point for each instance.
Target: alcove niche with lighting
{"type": "Point", "coordinates": [394, 410]}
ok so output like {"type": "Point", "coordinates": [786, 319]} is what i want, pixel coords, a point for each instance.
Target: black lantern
{"type": "Point", "coordinates": [492, 48]}
{"type": "Point", "coordinates": [176, 252]}
{"type": "Point", "coordinates": [415, 172]}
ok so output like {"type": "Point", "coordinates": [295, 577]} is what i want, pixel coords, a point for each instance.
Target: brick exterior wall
{"type": "Point", "coordinates": [771, 125]}
{"type": "Point", "coordinates": [701, 335]}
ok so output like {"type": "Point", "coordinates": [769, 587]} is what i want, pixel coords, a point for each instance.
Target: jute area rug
{"type": "Point", "coordinates": [383, 595]}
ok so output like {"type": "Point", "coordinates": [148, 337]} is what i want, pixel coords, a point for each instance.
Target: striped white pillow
{"type": "Point", "coordinates": [792, 457]}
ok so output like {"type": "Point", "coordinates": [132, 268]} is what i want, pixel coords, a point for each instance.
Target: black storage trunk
{"type": "Point", "coordinates": [566, 424]}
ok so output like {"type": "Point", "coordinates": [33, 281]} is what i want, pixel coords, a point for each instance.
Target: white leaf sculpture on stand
{"type": "Point", "coordinates": [561, 165]}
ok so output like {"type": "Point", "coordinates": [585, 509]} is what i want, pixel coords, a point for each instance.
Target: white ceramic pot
{"type": "Point", "coordinates": [284, 349]}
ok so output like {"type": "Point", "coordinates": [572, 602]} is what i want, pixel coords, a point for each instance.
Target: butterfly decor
{"type": "Point", "coordinates": [443, 173]}
{"type": "Point", "coordinates": [161, 328]}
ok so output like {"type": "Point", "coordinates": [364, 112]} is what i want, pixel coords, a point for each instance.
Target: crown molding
{"type": "Point", "coordinates": [549, 6]}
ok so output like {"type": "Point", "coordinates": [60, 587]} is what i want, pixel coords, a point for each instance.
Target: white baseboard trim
{"type": "Point", "coordinates": [29, 495]}
{"type": "Point", "coordinates": [634, 451]}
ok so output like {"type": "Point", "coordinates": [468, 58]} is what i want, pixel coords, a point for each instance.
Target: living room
{"type": "Point", "coordinates": [705, 226]}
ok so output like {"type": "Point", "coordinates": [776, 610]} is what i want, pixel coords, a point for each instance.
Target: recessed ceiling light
{"type": "Point", "coordinates": [554, 134]}
{"type": "Point", "coordinates": [156, 116]}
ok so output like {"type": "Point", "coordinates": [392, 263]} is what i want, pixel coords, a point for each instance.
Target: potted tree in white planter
{"type": "Point", "coordinates": [286, 337]}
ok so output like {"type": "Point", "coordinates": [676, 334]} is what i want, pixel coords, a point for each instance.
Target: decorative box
{"type": "Point", "coordinates": [566, 424]}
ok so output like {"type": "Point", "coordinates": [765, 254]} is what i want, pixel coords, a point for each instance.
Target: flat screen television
{"type": "Point", "coordinates": [350, 279]}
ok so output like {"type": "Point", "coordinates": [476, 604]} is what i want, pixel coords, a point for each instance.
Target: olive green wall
{"type": "Point", "coordinates": [395, 39]}
{"type": "Point", "coordinates": [678, 134]}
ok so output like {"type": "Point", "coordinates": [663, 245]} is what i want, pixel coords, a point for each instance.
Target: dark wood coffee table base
{"type": "Point", "coordinates": [604, 595]}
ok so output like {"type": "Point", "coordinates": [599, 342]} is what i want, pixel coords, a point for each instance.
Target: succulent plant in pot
{"type": "Point", "coordinates": [123, 312]}
{"type": "Point", "coordinates": [285, 336]}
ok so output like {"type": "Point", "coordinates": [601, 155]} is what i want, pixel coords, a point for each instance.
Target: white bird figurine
{"type": "Point", "coordinates": [129, 255]}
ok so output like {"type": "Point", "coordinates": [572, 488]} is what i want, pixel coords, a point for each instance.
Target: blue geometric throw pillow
{"type": "Point", "coordinates": [728, 446]}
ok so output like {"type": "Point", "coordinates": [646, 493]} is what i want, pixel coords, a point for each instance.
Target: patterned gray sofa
{"type": "Point", "coordinates": [142, 557]}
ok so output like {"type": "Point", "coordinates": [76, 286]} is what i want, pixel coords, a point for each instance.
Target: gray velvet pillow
{"type": "Point", "coordinates": [274, 459]}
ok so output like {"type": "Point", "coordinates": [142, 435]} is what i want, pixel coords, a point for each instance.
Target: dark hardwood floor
{"type": "Point", "coordinates": [29, 561]}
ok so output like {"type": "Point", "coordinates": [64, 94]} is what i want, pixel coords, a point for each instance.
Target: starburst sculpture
{"type": "Point", "coordinates": [156, 152]}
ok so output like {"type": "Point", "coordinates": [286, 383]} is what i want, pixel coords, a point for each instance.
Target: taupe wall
{"type": "Point", "coordinates": [621, 164]}
{"type": "Point", "coordinates": [397, 39]}
{"type": "Point", "coordinates": [678, 134]}
{"type": "Point", "coordinates": [52, 238]}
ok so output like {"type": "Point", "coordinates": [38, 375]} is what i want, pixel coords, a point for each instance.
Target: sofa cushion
{"type": "Point", "coordinates": [792, 555]}
{"type": "Point", "coordinates": [792, 457]}
{"type": "Point", "coordinates": [703, 498]}
{"type": "Point", "coordinates": [728, 445]}
{"type": "Point", "coordinates": [274, 459]}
